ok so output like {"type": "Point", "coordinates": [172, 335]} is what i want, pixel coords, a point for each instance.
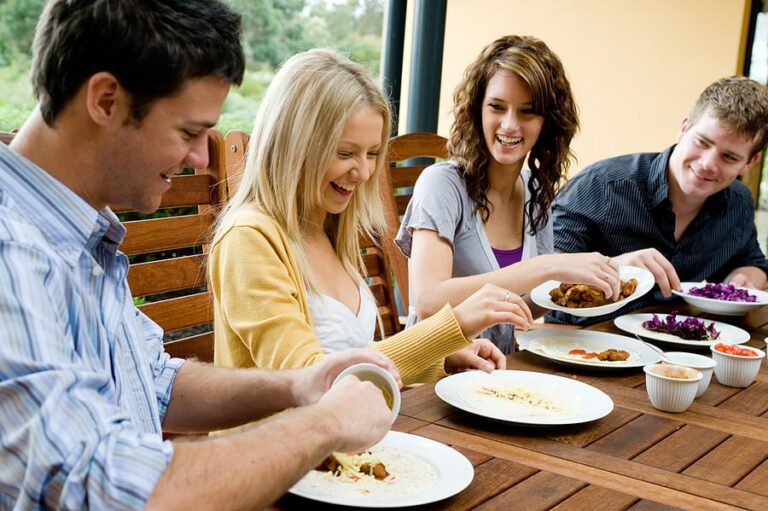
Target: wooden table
{"type": "Point", "coordinates": [712, 456]}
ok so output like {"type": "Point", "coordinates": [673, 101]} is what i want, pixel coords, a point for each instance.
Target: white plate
{"type": "Point", "coordinates": [722, 307]}
{"type": "Point", "coordinates": [554, 344]}
{"type": "Point", "coordinates": [633, 323]}
{"type": "Point", "coordinates": [454, 473]}
{"type": "Point", "coordinates": [645, 282]}
{"type": "Point", "coordinates": [579, 402]}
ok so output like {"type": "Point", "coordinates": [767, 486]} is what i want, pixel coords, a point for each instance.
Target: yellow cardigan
{"type": "Point", "coordinates": [261, 316]}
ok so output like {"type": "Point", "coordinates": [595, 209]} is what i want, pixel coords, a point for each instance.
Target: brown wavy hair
{"type": "Point", "coordinates": [550, 157]}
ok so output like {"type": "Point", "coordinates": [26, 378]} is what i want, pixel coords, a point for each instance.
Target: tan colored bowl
{"type": "Point", "coordinates": [671, 388]}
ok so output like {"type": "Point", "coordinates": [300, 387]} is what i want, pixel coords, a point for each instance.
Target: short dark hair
{"type": "Point", "coordinates": [151, 46]}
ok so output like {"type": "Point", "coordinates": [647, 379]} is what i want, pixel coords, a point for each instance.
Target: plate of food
{"type": "Point", "coordinates": [524, 397]}
{"type": "Point", "coordinates": [401, 470]}
{"type": "Point", "coordinates": [723, 299]}
{"type": "Point", "coordinates": [681, 330]}
{"type": "Point", "coordinates": [582, 300]}
{"type": "Point", "coordinates": [597, 350]}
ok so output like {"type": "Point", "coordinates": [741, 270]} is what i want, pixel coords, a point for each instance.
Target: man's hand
{"type": "Point", "coordinates": [747, 276]}
{"type": "Point", "coordinates": [483, 355]}
{"type": "Point", "coordinates": [361, 414]}
{"type": "Point", "coordinates": [310, 383]}
{"type": "Point", "coordinates": [651, 259]}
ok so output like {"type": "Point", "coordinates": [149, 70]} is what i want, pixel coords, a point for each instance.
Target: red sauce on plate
{"type": "Point", "coordinates": [584, 354]}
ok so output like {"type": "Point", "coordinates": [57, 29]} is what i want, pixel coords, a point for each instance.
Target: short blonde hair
{"type": "Point", "coordinates": [295, 135]}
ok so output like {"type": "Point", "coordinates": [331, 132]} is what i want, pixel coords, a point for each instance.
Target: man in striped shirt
{"type": "Point", "coordinates": [127, 91]}
{"type": "Point", "coordinates": [679, 213]}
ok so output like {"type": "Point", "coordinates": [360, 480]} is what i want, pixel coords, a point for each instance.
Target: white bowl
{"type": "Point", "coordinates": [736, 370]}
{"type": "Point", "coordinates": [645, 282]}
{"type": "Point", "coordinates": [379, 377]}
{"type": "Point", "coordinates": [671, 388]}
{"type": "Point", "coordinates": [705, 365]}
{"type": "Point", "coordinates": [722, 307]}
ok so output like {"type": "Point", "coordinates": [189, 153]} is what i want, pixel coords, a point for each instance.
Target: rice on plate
{"type": "Point", "coordinates": [408, 475]}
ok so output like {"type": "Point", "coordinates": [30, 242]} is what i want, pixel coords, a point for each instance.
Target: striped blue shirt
{"type": "Point", "coordinates": [622, 204]}
{"type": "Point", "coordinates": [84, 379]}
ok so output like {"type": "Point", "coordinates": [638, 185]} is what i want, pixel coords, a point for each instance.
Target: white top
{"type": "Point", "coordinates": [337, 327]}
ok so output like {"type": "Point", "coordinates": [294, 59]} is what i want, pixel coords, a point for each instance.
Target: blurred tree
{"type": "Point", "coordinates": [272, 29]}
{"type": "Point", "coordinates": [17, 28]}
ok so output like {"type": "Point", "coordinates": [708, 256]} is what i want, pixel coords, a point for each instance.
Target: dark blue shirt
{"type": "Point", "coordinates": [622, 204]}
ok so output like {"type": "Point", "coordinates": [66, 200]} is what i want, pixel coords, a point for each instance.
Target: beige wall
{"type": "Point", "coordinates": [636, 66]}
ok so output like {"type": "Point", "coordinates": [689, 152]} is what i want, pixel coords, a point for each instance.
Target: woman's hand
{"type": "Point", "coordinates": [491, 305]}
{"type": "Point", "coordinates": [483, 355]}
{"type": "Point", "coordinates": [593, 269]}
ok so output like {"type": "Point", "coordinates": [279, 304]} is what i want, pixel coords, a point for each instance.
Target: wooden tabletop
{"type": "Point", "coordinates": [712, 456]}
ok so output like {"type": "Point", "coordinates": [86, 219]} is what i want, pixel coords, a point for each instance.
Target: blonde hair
{"type": "Point", "coordinates": [295, 135]}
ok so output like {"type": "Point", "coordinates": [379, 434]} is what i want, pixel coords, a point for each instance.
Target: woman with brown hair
{"type": "Point", "coordinates": [481, 217]}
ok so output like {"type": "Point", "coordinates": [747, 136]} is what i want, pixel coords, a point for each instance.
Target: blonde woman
{"type": "Point", "coordinates": [285, 265]}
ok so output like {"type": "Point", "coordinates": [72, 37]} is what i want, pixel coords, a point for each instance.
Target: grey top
{"type": "Point", "coordinates": [440, 203]}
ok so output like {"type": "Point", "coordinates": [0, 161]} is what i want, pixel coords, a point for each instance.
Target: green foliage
{"type": "Point", "coordinates": [17, 28]}
{"type": "Point", "coordinates": [273, 30]}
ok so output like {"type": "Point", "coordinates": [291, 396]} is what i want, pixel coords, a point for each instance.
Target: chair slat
{"type": "Point", "coordinates": [197, 346]}
{"type": "Point", "coordinates": [182, 312]}
{"type": "Point", "coordinates": [405, 177]}
{"type": "Point", "coordinates": [188, 190]}
{"type": "Point", "coordinates": [145, 236]}
{"type": "Point", "coordinates": [374, 264]}
{"type": "Point", "coordinates": [167, 275]}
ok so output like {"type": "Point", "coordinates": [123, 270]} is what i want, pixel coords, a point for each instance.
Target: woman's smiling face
{"type": "Point", "coordinates": [355, 159]}
{"type": "Point", "coordinates": [510, 126]}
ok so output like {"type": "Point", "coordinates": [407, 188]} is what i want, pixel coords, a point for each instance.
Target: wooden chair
{"type": "Point", "coordinates": [375, 259]}
{"type": "Point", "coordinates": [175, 247]}
{"type": "Point", "coordinates": [401, 179]}
{"type": "Point", "coordinates": [173, 253]}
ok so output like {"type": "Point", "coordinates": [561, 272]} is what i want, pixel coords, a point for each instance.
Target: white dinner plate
{"type": "Point", "coordinates": [555, 343]}
{"type": "Point", "coordinates": [633, 323]}
{"type": "Point", "coordinates": [722, 307]}
{"type": "Point", "coordinates": [453, 470]}
{"type": "Point", "coordinates": [569, 401]}
{"type": "Point", "coordinates": [645, 282]}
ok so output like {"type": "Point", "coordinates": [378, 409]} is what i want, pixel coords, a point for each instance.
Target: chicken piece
{"type": "Point", "coordinates": [628, 287]}
{"type": "Point", "coordinates": [378, 471]}
{"type": "Point", "coordinates": [612, 355]}
{"type": "Point", "coordinates": [584, 296]}
{"type": "Point", "coordinates": [329, 464]}
{"type": "Point", "coordinates": [557, 296]}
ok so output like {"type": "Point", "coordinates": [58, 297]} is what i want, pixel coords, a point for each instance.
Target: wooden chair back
{"type": "Point", "coordinates": [403, 173]}
{"type": "Point", "coordinates": [375, 259]}
{"type": "Point", "coordinates": [167, 273]}
{"type": "Point", "coordinates": [172, 277]}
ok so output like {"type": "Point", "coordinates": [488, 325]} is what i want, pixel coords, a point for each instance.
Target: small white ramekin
{"type": "Point", "coordinates": [736, 370]}
{"type": "Point", "coordinates": [703, 363]}
{"type": "Point", "coordinates": [671, 394]}
{"type": "Point", "coordinates": [379, 377]}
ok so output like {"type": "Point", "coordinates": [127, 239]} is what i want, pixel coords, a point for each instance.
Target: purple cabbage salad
{"type": "Point", "coordinates": [725, 292]}
{"type": "Point", "coordinates": [691, 329]}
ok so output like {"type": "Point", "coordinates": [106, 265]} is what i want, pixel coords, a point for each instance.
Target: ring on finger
{"type": "Point", "coordinates": [507, 296]}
